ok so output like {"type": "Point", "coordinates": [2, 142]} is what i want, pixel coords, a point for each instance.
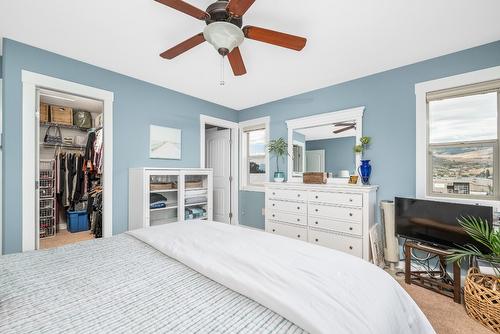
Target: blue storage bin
{"type": "Point", "coordinates": [77, 221]}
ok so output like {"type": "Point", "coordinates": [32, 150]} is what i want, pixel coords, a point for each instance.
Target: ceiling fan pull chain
{"type": "Point", "coordinates": [222, 82]}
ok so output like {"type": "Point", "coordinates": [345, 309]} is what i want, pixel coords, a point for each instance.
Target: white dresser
{"type": "Point", "coordinates": [330, 215]}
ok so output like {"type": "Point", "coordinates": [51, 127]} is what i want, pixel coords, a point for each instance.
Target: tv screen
{"type": "Point", "coordinates": [436, 222]}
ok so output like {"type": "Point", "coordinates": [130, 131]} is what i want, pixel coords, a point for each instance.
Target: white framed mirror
{"type": "Point", "coordinates": [325, 143]}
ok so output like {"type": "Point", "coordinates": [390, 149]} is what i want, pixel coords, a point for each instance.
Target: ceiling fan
{"type": "Point", "coordinates": [344, 126]}
{"type": "Point", "coordinates": [224, 31]}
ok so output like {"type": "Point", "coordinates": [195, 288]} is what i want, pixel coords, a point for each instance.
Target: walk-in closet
{"type": "Point", "coordinates": [70, 169]}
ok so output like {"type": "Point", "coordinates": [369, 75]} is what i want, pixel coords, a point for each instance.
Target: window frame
{"type": "Point", "coordinates": [466, 81]}
{"type": "Point", "coordinates": [245, 127]}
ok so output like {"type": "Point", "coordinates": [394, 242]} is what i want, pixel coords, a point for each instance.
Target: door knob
{"type": "Point", "coordinates": [274, 230]}
{"type": "Point", "coordinates": [298, 235]}
{"type": "Point", "coordinates": [316, 239]}
{"type": "Point", "coordinates": [350, 247]}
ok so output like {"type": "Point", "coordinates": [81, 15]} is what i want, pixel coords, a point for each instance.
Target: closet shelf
{"type": "Point", "coordinates": [63, 126]}
{"type": "Point", "coordinates": [163, 191]}
{"type": "Point", "coordinates": [195, 189]}
{"type": "Point", "coordinates": [165, 208]}
{"type": "Point", "coordinates": [195, 204]}
{"type": "Point", "coordinates": [79, 147]}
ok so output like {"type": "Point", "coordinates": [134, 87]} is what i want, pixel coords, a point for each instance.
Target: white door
{"type": "Point", "coordinates": [218, 157]}
{"type": "Point", "coordinates": [315, 161]}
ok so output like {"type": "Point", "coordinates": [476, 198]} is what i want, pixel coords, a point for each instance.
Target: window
{"type": "Point", "coordinates": [254, 156]}
{"type": "Point", "coordinates": [463, 142]}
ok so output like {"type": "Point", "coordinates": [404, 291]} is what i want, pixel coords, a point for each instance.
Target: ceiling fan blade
{"type": "Point", "coordinates": [236, 62]}
{"type": "Point", "coordinates": [239, 7]}
{"type": "Point", "coordinates": [274, 37]}
{"type": "Point", "coordinates": [183, 47]}
{"type": "Point", "coordinates": [344, 129]}
{"type": "Point", "coordinates": [185, 8]}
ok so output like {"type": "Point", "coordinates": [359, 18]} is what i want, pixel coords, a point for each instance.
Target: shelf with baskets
{"type": "Point", "coordinates": [47, 203]}
{"type": "Point", "coordinates": [163, 195]}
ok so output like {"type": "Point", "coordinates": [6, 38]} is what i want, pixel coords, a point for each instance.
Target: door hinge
{"type": "Point", "coordinates": [230, 179]}
{"type": "Point", "coordinates": [37, 185]}
{"type": "Point", "coordinates": [230, 215]}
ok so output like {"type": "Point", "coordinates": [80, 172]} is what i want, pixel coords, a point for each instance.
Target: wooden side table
{"type": "Point", "coordinates": [446, 286]}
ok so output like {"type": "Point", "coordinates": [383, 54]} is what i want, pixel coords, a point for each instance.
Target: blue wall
{"type": "Point", "coordinates": [1, 67]}
{"type": "Point", "coordinates": [339, 153]}
{"type": "Point", "coordinates": [389, 98]}
{"type": "Point", "coordinates": [137, 105]}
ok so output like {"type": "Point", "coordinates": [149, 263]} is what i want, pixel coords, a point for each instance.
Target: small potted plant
{"type": "Point", "coordinates": [481, 290]}
{"type": "Point", "coordinates": [278, 148]}
{"type": "Point", "coordinates": [480, 231]}
{"type": "Point", "coordinates": [365, 169]}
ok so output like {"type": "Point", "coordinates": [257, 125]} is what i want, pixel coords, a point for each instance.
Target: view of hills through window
{"type": "Point", "coordinates": [463, 145]}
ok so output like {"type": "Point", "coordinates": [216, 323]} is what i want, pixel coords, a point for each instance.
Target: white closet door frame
{"type": "Point", "coordinates": [204, 119]}
{"type": "Point", "coordinates": [31, 82]}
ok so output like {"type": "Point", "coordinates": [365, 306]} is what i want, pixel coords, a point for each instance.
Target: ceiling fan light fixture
{"type": "Point", "coordinates": [224, 36]}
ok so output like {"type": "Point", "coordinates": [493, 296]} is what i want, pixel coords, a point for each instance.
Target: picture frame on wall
{"type": "Point", "coordinates": [164, 142]}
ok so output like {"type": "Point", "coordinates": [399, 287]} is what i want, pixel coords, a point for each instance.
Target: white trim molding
{"type": "Point", "coordinates": [204, 119]}
{"type": "Point", "coordinates": [421, 121]}
{"type": "Point", "coordinates": [31, 82]}
{"type": "Point", "coordinates": [352, 114]}
{"type": "Point", "coordinates": [266, 121]}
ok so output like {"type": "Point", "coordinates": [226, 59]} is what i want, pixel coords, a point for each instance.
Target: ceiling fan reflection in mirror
{"type": "Point", "coordinates": [224, 19]}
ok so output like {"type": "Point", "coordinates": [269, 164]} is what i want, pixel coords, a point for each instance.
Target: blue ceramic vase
{"type": "Point", "coordinates": [365, 170]}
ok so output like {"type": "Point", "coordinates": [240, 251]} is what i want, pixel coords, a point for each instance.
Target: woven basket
{"type": "Point", "coordinates": [482, 298]}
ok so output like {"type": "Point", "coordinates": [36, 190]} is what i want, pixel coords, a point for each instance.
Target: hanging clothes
{"type": "Point", "coordinates": [98, 151]}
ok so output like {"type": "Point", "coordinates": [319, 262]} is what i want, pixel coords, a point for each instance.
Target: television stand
{"type": "Point", "coordinates": [445, 285]}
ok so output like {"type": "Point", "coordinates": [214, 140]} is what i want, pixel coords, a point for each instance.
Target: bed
{"type": "Point", "coordinates": [200, 277]}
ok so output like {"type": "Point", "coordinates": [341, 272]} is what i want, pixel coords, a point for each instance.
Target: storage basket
{"type": "Point", "coordinates": [161, 186]}
{"type": "Point", "coordinates": [482, 298]}
{"type": "Point", "coordinates": [46, 192]}
{"type": "Point", "coordinates": [44, 113]}
{"type": "Point", "coordinates": [77, 221]}
{"type": "Point", "coordinates": [61, 115]}
{"type": "Point", "coordinates": [46, 164]}
{"type": "Point", "coordinates": [314, 177]}
{"type": "Point", "coordinates": [194, 184]}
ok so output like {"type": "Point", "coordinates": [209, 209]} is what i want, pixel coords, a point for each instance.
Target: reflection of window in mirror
{"type": "Point", "coordinates": [298, 152]}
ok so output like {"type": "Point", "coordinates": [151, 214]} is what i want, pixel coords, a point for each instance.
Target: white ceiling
{"type": "Point", "coordinates": [325, 132]}
{"type": "Point", "coordinates": [73, 101]}
{"type": "Point", "coordinates": [346, 40]}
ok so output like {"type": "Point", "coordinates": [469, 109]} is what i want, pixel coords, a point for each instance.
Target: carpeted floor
{"type": "Point", "coordinates": [446, 316]}
{"type": "Point", "coordinates": [64, 237]}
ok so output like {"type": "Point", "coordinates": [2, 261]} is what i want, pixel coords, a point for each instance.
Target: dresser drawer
{"type": "Point", "coordinates": [286, 217]}
{"type": "Point", "coordinates": [295, 232]}
{"type": "Point", "coordinates": [350, 245]}
{"type": "Point", "coordinates": [336, 198]}
{"type": "Point", "coordinates": [290, 207]}
{"type": "Point", "coordinates": [288, 195]}
{"type": "Point", "coordinates": [335, 212]}
{"type": "Point", "coordinates": [336, 225]}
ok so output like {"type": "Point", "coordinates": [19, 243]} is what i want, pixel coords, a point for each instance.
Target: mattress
{"type": "Point", "coordinates": [121, 285]}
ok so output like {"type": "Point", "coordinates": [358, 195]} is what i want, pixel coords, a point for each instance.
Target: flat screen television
{"type": "Point", "coordinates": [435, 222]}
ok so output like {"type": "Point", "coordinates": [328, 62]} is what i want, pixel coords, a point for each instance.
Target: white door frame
{"type": "Point", "coordinates": [31, 82]}
{"type": "Point", "coordinates": [204, 119]}
{"type": "Point", "coordinates": [1, 168]}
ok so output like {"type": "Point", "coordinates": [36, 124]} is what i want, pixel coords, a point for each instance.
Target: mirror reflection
{"type": "Point", "coordinates": [326, 148]}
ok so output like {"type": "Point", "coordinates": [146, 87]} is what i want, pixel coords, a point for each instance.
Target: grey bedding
{"type": "Point", "coordinates": [121, 285]}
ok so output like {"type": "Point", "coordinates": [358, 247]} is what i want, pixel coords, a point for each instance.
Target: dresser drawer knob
{"type": "Point", "coordinates": [298, 235]}
{"type": "Point", "coordinates": [350, 228]}
{"type": "Point", "coordinates": [350, 214]}
{"type": "Point", "coordinates": [316, 197]}
{"type": "Point", "coordinates": [316, 210]}
{"type": "Point", "coordinates": [274, 230]}
{"type": "Point", "coordinates": [350, 199]}
{"type": "Point", "coordinates": [298, 195]}
{"type": "Point", "coordinates": [298, 208]}
{"type": "Point", "coordinates": [316, 223]}
{"type": "Point", "coordinates": [350, 247]}
{"type": "Point", "coordinates": [274, 215]}
{"type": "Point", "coordinates": [274, 204]}
{"type": "Point", "coordinates": [298, 219]}
{"type": "Point", "coordinates": [274, 193]}
{"type": "Point", "coordinates": [316, 239]}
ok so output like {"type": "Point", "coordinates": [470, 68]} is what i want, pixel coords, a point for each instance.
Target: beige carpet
{"type": "Point", "coordinates": [446, 316]}
{"type": "Point", "coordinates": [64, 237]}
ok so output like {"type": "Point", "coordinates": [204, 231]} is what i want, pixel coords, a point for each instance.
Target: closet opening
{"type": "Point", "coordinates": [70, 155]}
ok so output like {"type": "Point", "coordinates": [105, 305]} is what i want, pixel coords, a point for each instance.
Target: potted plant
{"type": "Point", "coordinates": [481, 291]}
{"type": "Point", "coordinates": [278, 148]}
{"type": "Point", "coordinates": [365, 169]}
{"type": "Point", "coordinates": [481, 232]}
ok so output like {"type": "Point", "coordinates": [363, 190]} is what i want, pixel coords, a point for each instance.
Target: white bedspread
{"type": "Point", "coordinates": [319, 289]}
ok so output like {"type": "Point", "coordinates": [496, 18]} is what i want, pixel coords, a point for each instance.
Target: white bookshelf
{"type": "Point", "coordinates": [183, 194]}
